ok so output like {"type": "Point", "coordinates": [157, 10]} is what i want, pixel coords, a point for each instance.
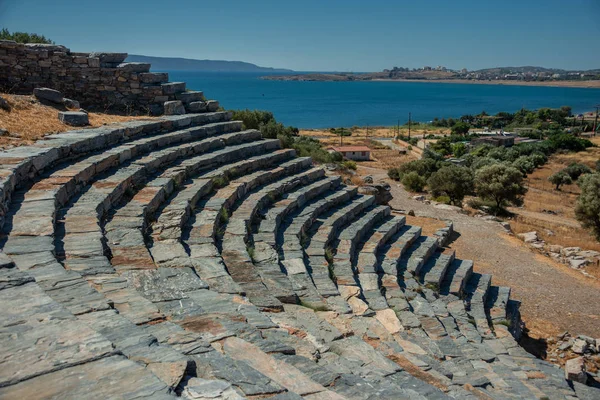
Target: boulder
{"type": "Point", "coordinates": [174, 108]}
{"type": "Point", "coordinates": [419, 198]}
{"type": "Point", "coordinates": [3, 132]}
{"type": "Point", "coordinates": [368, 179]}
{"type": "Point", "coordinates": [73, 118]}
{"type": "Point", "coordinates": [381, 192]}
{"type": "Point", "coordinates": [529, 237]}
{"type": "Point", "coordinates": [575, 370]}
{"type": "Point", "coordinates": [4, 104]}
{"type": "Point", "coordinates": [72, 104]}
{"type": "Point", "coordinates": [51, 95]}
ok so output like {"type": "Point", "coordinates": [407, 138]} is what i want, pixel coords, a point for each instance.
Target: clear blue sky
{"type": "Point", "coordinates": [326, 35]}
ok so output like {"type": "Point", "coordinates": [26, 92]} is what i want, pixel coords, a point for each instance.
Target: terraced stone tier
{"type": "Point", "coordinates": [186, 257]}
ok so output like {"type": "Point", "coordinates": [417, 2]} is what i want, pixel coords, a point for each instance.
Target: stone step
{"type": "Point", "coordinates": [153, 77]}
{"type": "Point", "coordinates": [171, 88]}
{"type": "Point", "coordinates": [190, 96]}
{"type": "Point", "coordinates": [264, 290]}
{"type": "Point", "coordinates": [175, 214]}
{"type": "Point", "coordinates": [497, 300]}
{"type": "Point", "coordinates": [476, 292]}
{"type": "Point", "coordinates": [433, 271]}
{"type": "Point", "coordinates": [413, 260]}
{"type": "Point", "coordinates": [456, 277]}
{"type": "Point", "coordinates": [134, 67]}
{"type": "Point", "coordinates": [130, 220]}
{"type": "Point", "coordinates": [268, 228]}
{"type": "Point", "coordinates": [104, 194]}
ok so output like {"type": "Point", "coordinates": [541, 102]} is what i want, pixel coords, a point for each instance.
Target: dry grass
{"type": "Point", "coordinates": [381, 132]}
{"type": "Point", "coordinates": [547, 209]}
{"type": "Point", "coordinates": [29, 120]}
{"type": "Point", "coordinates": [428, 225]}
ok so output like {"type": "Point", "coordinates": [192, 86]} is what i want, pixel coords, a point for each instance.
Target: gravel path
{"type": "Point", "coordinates": [554, 297]}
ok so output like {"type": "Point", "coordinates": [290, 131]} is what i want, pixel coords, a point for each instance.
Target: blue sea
{"type": "Point", "coordinates": [345, 104]}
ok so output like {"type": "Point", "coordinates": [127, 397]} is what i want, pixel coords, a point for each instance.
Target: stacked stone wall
{"type": "Point", "coordinates": [96, 80]}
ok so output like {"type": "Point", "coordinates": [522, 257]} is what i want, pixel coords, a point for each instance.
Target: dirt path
{"type": "Point", "coordinates": [554, 297]}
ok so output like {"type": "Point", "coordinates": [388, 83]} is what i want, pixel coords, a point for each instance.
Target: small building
{"type": "Point", "coordinates": [354, 153]}
{"type": "Point", "coordinates": [497, 141]}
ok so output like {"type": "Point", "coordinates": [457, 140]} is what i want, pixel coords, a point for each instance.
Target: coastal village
{"type": "Point", "coordinates": [156, 244]}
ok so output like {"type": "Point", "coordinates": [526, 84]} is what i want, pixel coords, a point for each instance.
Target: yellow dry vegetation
{"type": "Point", "coordinates": [29, 120]}
{"type": "Point", "coordinates": [551, 212]}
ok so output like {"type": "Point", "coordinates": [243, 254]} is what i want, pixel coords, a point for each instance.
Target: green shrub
{"type": "Point", "coordinates": [587, 208]}
{"type": "Point", "coordinates": [565, 141]}
{"type": "Point", "coordinates": [443, 199]}
{"type": "Point", "coordinates": [253, 119]}
{"type": "Point", "coordinates": [423, 167]}
{"type": "Point", "coordinates": [413, 182]}
{"type": "Point", "coordinates": [575, 170]}
{"type": "Point", "coordinates": [349, 165]}
{"type": "Point", "coordinates": [459, 149]}
{"type": "Point", "coordinates": [394, 173]}
{"type": "Point", "coordinates": [524, 164]}
{"type": "Point", "coordinates": [460, 128]}
{"type": "Point", "coordinates": [24, 37]}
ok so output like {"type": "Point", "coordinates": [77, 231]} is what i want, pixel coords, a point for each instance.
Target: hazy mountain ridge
{"type": "Point", "coordinates": [187, 64]}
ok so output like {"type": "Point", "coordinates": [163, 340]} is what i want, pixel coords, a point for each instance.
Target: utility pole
{"type": "Point", "coordinates": [409, 116]}
{"type": "Point", "coordinates": [596, 119]}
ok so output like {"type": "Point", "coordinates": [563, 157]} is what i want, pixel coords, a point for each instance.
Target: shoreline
{"type": "Point", "coordinates": [566, 84]}
{"type": "Point", "coordinates": [591, 84]}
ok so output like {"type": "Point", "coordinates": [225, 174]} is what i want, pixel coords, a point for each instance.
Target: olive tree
{"type": "Point", "coordinates": [560, 178]}
{"type": "Point", "coordinates": [500, 183]}
{"type": "Point", "coordinates": [453, 181]}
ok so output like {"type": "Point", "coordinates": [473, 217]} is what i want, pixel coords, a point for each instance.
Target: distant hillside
{"type": "Point", "coordinates": [186, 64]}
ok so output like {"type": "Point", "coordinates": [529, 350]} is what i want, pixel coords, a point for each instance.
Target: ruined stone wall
{"type": "Point", "coordinates": [96, 80]}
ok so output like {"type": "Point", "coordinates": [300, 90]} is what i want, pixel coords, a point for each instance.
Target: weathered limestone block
{"type": "Point", "coordinates": [212, 105]}
{"type": "Point", "coordinates": [174, 108]}
{"type": "Point", "coordinates": [134, 67]}
{"type": "Point", "coordinates": [74, 118]}
{"type": "Point", "coordinates": [153, 77]}
{"type": "Point", "coordinates": [51, 95]}
{"type": "Point", "coordinates": [110, 57]}
{"type": "Point", "coordinates": [575, 370]}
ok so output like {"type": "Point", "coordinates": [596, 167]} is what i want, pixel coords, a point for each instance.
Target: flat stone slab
{"type": "Point", "coordinates": [38, 336]}
{"type": "Point", "coordinates": [74, 118]}
{"type": "Point", "coordinates": [112, 377]}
